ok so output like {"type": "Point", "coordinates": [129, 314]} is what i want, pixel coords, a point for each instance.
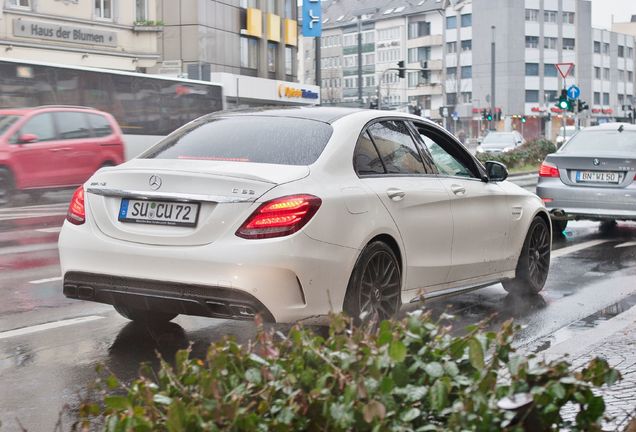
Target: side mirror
{"type": "Point", "coordinates": [27, 138]}
{"type": "Point", "coordinates": [496, 171]}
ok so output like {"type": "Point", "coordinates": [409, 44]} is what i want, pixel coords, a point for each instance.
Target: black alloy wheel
{"type": "Point", "coordinates": [534, 261]}
{"type": "Point", "coordinates": [375, 286]}
{"type": "Point", "coordinates": [6, 187]}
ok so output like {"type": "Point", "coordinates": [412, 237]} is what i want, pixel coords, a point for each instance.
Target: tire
{"type": "Point", "coordinates": [375, 286]}
{"type": "Point", "coordinates": [144, 316]}
{"type": "Point", "coordinates": [6, 187]}
{"type": "Point", "coordinates": [607, 225]}
{"type": "Point", "coordinates": [558, 226]}
{"type": "Point", "coordinates": [534, 261]}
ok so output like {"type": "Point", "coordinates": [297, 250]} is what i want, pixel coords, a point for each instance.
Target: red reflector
{"type": "Point", "coordinates": [548, 170]}
{"type": "Point", "coordinates": [547, 200]}
{"type": "Point", "coordinates": [76, 213]}
{"type": "Point", "coordinates": [280, 217]}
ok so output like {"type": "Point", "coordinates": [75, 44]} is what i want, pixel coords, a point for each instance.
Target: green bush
{"type": "Point", "coordinates": [530, 153]}
{"type": "Point", "coordinates": [411, 375]}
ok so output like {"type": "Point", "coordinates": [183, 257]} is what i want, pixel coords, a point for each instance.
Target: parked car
{"type": "Point", "coordinates": [500, 142]}
{"type": "Point", "coordinates": [565, 134]}
{"type": "Point", "coordinates": [294, 212]}
{"type": "Point", "coordinates": [592, 176]}
{"type": "Point", "coordinates": [52, 147]}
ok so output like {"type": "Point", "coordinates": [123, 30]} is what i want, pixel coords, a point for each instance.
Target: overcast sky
{"type": "Point", "coordinates": [602, 11]}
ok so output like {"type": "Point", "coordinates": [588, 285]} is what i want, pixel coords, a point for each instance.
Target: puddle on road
{"type": "Point", "coordinates": [590, 321]}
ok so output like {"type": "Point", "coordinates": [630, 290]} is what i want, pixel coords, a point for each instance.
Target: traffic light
{"type": "Point", "coordinates": [373, 104]}
{"type": "Point", "coordinates": [581, 105]}
{"type": "Point", "coordinates": [402, 71]}
{"type": "Point", "coordinates": [489, 116]}
{"type": "Point", "coordinates": [564, 103]}
{"type": "Point", "coordinates": [523, 119]}
{"type": "Point", "coordinates": [484, 114]}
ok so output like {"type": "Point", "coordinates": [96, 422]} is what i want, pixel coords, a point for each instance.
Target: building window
{"type": "Point", "coordinates": [621, 75]}
{"type": "Point", "coordinates": [467, 20]}
{"type": "Point", "coordinates": [451, 47]}
{"type": "Point", "coordinates": [621, 51]}
{"type": "Point", "coordinates": [597, 72]}
{"type": "Point", "coordinates": [104, 9]}
{"type": "Point", "coordinates": [467, 45]}
{"type": "Point", "coordinates": [368, 59]}
{"type": "Point", "coordinates": [597, 47]}
{"type": "Point", "coordinates": [289, 61]}
{"type": "Point", "coordinates": [551, 95]}
{"type": "Point", "coordinates": [451, 98]}
{"type": "Point", "coordinates": [416, 79]}
{"type": "Point", "coordinates": [418, 54]}
{"type": "Point", "coordinates": [532, 69]}
{"type": "Point", "coordinates": [606, 48]}
{"type": "Point", "coordinates": [451, 22]}
{"type": "Point", "coordinates": [392, 33]}
{"type": "Point", "coordinates": [271, 57]}
{"type": "Point", "coordinates": [550, 42]}
{"type": "Point", "coordinates": [451, 72]}
{"type": "Point", "coordinates": [247, 4]}
{"type": "Point", "coordinates": [568, 44]}
{"type": "Point", "coordinates": [467, 72]}
{"type": "Point", "coordinates": [388, 55]}
{"type": "Point", "coordinates": [606, 74]}
{"type": "Point", "coordinates": [606, 100]}
{"type": "Point", "coordinates": [26, 4]}
{"type": "Point", "coordinates": [249, 53]}
{"type": "Point", "coordinates": [532, 14]}
{"type": "Point", "coordinates": [630, 52]}
{"type": "Point", "coordinates": [419, 29]}
{"type": "Point", "coordinates": [532, 41]}
{"type": "Point", "coordinates": [550, 16]}
{"type": "Point", "coordinates": [532, 96]}
{"type": "Point", "coordinates": [568, 17]}
{"type": "Point", "coordinates": [630, 76]}
{"type": "Point", "coordinates": [597, 98]}
{"type": "Point", "coordinates": [549, 70]}
{"type": "Point", "coordinates": [141, 10]}
{"type": "Point", "coordinates": [289, 8]}
{"type": "Point", "coordinates": [621, 99]}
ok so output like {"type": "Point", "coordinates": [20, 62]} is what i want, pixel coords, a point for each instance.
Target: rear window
{"type": "Point", "coordinates": [6, 121]}
{"type": "Point", "coordinates": [100, 125]}
{"type": "Point", "coordinates": [601, 141]}
{"type": "Point", "coordinates": [271, 140]}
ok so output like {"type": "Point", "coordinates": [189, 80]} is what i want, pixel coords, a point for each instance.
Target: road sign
{"type": "Point", "coordinates": [565, 69]}
{"type": "Point", "coordinates": [312, 18]}
{"type": "Point", "coordinates": [574, 92]}
{"type": "Point", "coordinates": [455, 115]}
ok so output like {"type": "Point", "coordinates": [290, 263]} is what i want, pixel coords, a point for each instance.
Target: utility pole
{"type": "Point", "coordinates": [360, 60]}
{"type": "Point", "coordinates": [317, 55]}
{"type": "Point", "coordinates": [493, 105]}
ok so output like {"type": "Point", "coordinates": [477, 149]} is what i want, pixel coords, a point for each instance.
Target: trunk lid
{"type": "Point", "coordinates": [224, 192]}
{"type": "Point", "coordinates": [571, 165]}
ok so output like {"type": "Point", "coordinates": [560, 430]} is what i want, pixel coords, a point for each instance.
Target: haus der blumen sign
{"type": "Point", "coordinates": [63, 33]}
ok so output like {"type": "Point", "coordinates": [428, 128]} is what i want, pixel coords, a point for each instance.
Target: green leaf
{"type": "Point", "coordinates": [384, 334]}
{"type": "Point", "coordinates": [410, 415]}
{"type": "Point", "coordinates": [117, 402]}
{"type": "Point", "coordinates": [595, 408]}
{"type": "Point", "coordinates": [439, 395]}
{"type": "Point", "coordinates": [397, 351]}
{"type": "Point", "coordinates": [176, 421]}
{"type": "Point", "coordinates": [162, 399]}
{"type": "Point", "coordinates": [434, 369]}
{"type": "Point", "coordinates": [253, 375]}
{"type": "Point", "coordinates": [476, 354]}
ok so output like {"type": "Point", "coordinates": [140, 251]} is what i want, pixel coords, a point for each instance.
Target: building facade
{"type": "Point", "coordinates": [112, 34]}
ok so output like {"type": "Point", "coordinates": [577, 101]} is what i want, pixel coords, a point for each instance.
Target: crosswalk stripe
{"type": "Point", "coordinates": [40, 327]}
{"type": "Point", "coordinates": [575, 248]}
{"type": "Point", "coordinates": [41, 281]}
{"type": "Point", "coordinates": [626, 244]}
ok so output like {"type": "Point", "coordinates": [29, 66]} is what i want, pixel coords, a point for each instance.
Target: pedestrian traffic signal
{"type": "Point", "coordinates": [581, 105]}
{"type": "Point", "coordinates": [402, 70]}
{"type": "Point", "coordinates": [564, 103]}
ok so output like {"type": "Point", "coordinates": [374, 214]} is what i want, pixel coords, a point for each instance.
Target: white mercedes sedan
{"type": "Point", "coordinates": [293, 213]}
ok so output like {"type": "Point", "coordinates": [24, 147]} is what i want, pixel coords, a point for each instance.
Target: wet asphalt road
{"type": "Point", "coordinates": [45, 369]}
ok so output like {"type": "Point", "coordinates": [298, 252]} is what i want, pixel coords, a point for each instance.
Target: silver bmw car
{"type": "Point", "coordinates": [592, 176]}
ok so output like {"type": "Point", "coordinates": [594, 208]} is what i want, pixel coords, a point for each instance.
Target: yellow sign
{"type": "Point", "coordinates": [295, 93]}
{"type": "Point", "coordinates": [273, 27]}
{"type": "Point", "coordinates": [291, 32]}
{"type": "Point", "coordinates": [254, 22]}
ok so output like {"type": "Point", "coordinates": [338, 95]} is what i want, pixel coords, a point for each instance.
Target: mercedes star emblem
{"type": "Point", "coordinates": [596, 162]}
{"type": "Point", "coordinates": [154, 182]}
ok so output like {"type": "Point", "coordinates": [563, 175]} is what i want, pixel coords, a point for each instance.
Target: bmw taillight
{"type": "Point", "coordinates": [280, 217]}
{"type": "Point", "coordinates": [548, 170]}
{"type": "Point", "coordinates": [76, 212]}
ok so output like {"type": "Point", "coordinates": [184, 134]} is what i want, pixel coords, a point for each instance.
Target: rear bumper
{"type": "Point", "coordinates": [594, 203]}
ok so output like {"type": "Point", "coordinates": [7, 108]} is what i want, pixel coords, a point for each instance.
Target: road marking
{"type": "Point", "coordinates": [50, 230]}
{"type": "Point", "coordinates": [626, 244]}
{"type": "Point", "coordinates": [41, 281]}
{"type": "Point", "coordinates": [48, 326]}
{"type": "Point", "coordinates": [575, 248]}
{"type": "Point", "coordinates": [12, 250]}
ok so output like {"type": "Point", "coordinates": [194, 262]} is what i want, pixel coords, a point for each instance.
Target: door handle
{"type": "Point", "coordinates": [458, 190]}
{"type": "Point", "coordinates": [396, 194]}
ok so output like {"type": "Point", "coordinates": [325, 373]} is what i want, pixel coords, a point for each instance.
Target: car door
{"type": "Point", "coordinates": [37, 161]}
{"type": "Point", "coordinates": [388, 162]}
{"type": "Point", "coordinates": [79, 153]}
{"type": "Point", "coordinates": [480, 210]}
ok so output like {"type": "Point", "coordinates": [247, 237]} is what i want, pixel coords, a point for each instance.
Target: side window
{"type": "Point", "coordinates": [365, 157]}
{"type": "Point", "coordinates": [447, 161]}
{"type": "Point", "coordinates": [396, 148]}
{"type": "Point", "coordinates": [40, 125]}
{"type": "Point", "coordinates": [72, 125]}
{"type": "Point", "coordinates": [100, 125]}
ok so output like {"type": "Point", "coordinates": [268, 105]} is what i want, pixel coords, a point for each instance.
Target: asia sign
{"type": "Point", "coordinates": [63, 33]}
{"type": "Point", "coordinates": [312, 18]}
{"type": "Point", "coordinates": [285, 91]}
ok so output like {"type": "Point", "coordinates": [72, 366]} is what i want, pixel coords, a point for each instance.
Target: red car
{"type": "Point", "coordinates": [51, 147]}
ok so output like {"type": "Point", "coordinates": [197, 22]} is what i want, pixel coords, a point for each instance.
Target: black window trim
{"type": "Point", "coordinates": [405, 120]}
{"type": "Point", "coordinates": [458, 150]}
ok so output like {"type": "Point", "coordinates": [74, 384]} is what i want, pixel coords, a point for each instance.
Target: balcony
{"type": "Point", "coordinates": [148, 26]}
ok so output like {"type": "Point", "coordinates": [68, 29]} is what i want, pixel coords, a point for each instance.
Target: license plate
{"type": "Point", "coordinates": [598, 177]}
{"type": "Point", "coordinates": [159, 212]}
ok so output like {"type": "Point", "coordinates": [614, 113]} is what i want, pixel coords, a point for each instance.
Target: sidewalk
{"type": "Point", "coordinates": [614, 340]}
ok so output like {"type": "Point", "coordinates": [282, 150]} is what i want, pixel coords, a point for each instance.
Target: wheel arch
{"type": "Point", "coordinates": [545, 216]}
{"type": "Point", "coordinates": [392, 243]}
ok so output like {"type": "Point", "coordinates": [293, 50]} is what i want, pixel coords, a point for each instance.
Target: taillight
{"type": "Point", "coordinates": [548, 170]}
{"type": "Point", "coordinates": [76, 213]}
{"type": "Point", "coordinates": [280, 217]}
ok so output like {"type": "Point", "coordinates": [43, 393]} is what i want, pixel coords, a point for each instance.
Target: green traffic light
{"type": "Point", "coordinates": [564, 105]}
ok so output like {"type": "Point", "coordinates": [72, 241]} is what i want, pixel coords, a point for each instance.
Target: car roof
{"type": "Point", "coordinates": [612, 127]}
{"type": "Point", "coordinates": [27, 110]}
